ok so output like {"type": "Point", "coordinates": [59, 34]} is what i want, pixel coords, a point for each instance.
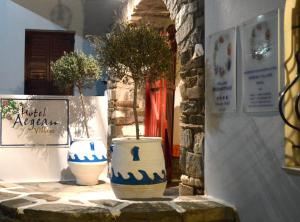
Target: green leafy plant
{"type": "Point", "coordinates": [76, 69]}
{"type": "Point", "coordinates": [9, 108]}
{"type": "Point", "coordinates": [134, 54]}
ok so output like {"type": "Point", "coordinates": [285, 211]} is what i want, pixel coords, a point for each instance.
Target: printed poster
{"type": "Point", "coordinates": [34, 122]}
{"type": "Point", "coordinates": [259, 39]}
{"type": "Point", "coordinates": [222, 71]}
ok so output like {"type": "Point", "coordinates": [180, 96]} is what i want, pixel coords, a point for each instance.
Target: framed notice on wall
{"type": "Point", "coordinates": [260, 40]}
{"type": "Point", "coordinates": [33, 122]}
{"type": "Point", "coordinates": [221, 72]}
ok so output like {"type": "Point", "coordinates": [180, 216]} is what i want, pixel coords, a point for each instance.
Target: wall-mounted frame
{"type": "Point", "coordinates": [221, 72]}
{"type": "Point", "coordinates": [34, 122]}
{"type": "Point", "coordinates": [260, 73]}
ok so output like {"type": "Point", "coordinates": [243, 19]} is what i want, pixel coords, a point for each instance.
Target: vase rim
{"type": "Point", "coordinates": [133, 139]}
{"type": "Point", "coordinates": [85, 138]}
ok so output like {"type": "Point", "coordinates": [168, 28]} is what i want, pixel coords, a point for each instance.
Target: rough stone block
{"type": "Point", "coordinates": [191, 81]}
{"type": "Point", "coordinates": [185, 56]}
{"type": "Point", "coordinates": [182, 87]}
{"type": "Point", "coordinates": [196, 119]}
{"type": "Point", "coordinates": [198, 182]}
{"type": "Point", "coordinates": [185, 190]}
{"type": "Point", "coordinates": [106, 203]}
{"type": "Point", "coordinates": [149, 211]}
{"type": "Point", "coordinates": [184, 73]}
{"type": "Point", "coordinates": [199, 22]}
{"type": "Point", "coordinates": [15, 203]}
{"type": "Point", "coordinates": [200, 78]}
{"type": "Point", "coordinates": [111, 84]}
{"type": "Point", "coordinates": [4, 196]}
{"type": "Point", "coordinates": [198, 138]}
{"type": "Point", "coordinates": [184, 119]}
{"type": "Point", "coordinates": [115, 131]}
{"type": "Point", "coordinates": [122, 121]}
{"type": "Point", "coordinates": [181, 16]}
{"type": "Point", "coordinates": [198, 148]}
{"type": "Point", "coordinates": [182, 159]}
{"type": "Point", "coordinates": [184, 179]}
{"type": "Point", "coordinates": [118, 114]}
{"type": "Point", "coordinates": [193, 165]}
{"type": "Point", "coordinates": [183, 12]}
{"type": "Point", "coordinates": [197, 62]}
{"type": "Point", "coordinates": [124, 103]}
{"type": "Point", "coordinates": [112, 94]}
{"type": "Point", "coordinates": [198, 51]}
{"type": "Point", "coordinates": [186, 140]}
{"type": "Point", "coordinates": [190, 181]}
{"type": "Point", "coordinates": [46, 197]}
{"type": "Point", "coordinates": [185, 29]}
{"type": "Point", "coordinates": [198, 143]}
{"type": "Point", "coordinates": [194, 92]}
{"type": "Point", "coordinates": [190, 107]}
{"type": "Point", "coordinates": [7, 185]}
{"type": "Point", "coordinates": [111, 104]}
{"type": "Point", "coordinates": [173, 7]}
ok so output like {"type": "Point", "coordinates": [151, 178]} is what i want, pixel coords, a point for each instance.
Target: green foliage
{"type": "Point", "coordinates": [136, 52]}
{"type": "Point", "coordinates": [9, 108]}
{"type": "Point", "coordinates": [75, 68]}
{"type": "Point", "coordinates": [79, 69]}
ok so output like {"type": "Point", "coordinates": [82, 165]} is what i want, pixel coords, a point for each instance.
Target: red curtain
{"type": "Point", "coordinates": [159, 118]}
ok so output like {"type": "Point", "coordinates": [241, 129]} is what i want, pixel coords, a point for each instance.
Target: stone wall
{"type": "Point", "coordinates": [189, 22]}
{"type": "Point", "coordinates": [120, 112]}
{"type": "Point", "coordinates": [188, 16]}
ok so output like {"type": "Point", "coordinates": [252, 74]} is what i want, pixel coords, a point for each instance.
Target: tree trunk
{"type": "Point", "coordinates": [84, 113]}
{"type": "Point", "coordinates": [137, 130]}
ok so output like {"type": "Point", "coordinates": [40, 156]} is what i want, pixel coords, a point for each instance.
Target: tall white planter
{"type": "Point", "coordinates": [137, 168]}
{"type": "Point", "coordinates": [87, 158]}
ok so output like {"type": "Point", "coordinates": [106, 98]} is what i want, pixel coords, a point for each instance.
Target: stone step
{"type": "Point", "coordinates": [19, 204]}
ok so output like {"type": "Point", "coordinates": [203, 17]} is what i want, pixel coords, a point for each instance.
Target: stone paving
{"type": "Point", "coordinates": [55, 202]}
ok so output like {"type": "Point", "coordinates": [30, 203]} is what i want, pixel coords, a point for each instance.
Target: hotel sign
{"type": "Point", "coordinates": [34, 122]}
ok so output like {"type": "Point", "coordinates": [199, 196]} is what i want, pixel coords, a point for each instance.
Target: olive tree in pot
{"type": "Point", "coordinates": [134, 55]}
{"type": "Point", "coordinates": [87, 156]}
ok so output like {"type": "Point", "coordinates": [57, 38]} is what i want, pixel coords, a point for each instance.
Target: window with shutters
{"type": "Point", "coordinates": [42, 47]}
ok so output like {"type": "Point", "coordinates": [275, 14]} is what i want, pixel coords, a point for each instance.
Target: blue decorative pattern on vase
{"type": "Point", "coordinates": [146, 180]}
{"type": "Point", "coordinates": [86, 159]}
{"type": "Point", "coordinates": [135, 153]}
{"type": "Point", "coordinates": [92, 145]}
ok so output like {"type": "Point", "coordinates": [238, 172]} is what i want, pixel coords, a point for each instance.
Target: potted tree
{"type": "Point", "coordinates": [87, 156]}
{"type": "Point", "coordinates": [134, 55]}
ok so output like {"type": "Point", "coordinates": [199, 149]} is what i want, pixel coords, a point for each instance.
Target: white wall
{"type": "Point", "coordinates": [244, 153]}
{"type": "Point", "coordinates": [14, 20]}
{"type": "Point", "coordinates": [42, 164]}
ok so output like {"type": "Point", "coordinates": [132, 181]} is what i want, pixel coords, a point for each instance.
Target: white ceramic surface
{"type": "Point", "coordinates": [87, 159]}
{"type": "Point", "coordinates": [137, 168]}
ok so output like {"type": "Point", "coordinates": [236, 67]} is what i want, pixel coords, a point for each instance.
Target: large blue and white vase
{"type": "Point", "coordinates": [137, 168]}
{"type": "Point", "coordinates": [87, 158]}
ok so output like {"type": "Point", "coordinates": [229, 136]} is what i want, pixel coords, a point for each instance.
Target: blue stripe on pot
{"type": "Point", "coordinates": [146, 180]}
{"type": "Point", "coordinates": [86, 159]}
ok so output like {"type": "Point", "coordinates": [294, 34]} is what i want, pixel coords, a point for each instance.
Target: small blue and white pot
{"type": "Point", "coordinates": [137, 168]}
{"type": "Point", "coordinates": [87, 158]}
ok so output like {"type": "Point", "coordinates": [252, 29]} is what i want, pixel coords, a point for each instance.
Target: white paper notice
{"type": "Point", "coordinates": [260, 63]}
{"type": "Point", "coordinates": [222, 71]}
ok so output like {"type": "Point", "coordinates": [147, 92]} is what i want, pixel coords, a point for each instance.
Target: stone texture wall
{"type": "Point", "coordinates": [188, 16]}
{"type": "Point", "coordinates": [189, 21]}
{"type": "Point", "coordinates": [120, 113]}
